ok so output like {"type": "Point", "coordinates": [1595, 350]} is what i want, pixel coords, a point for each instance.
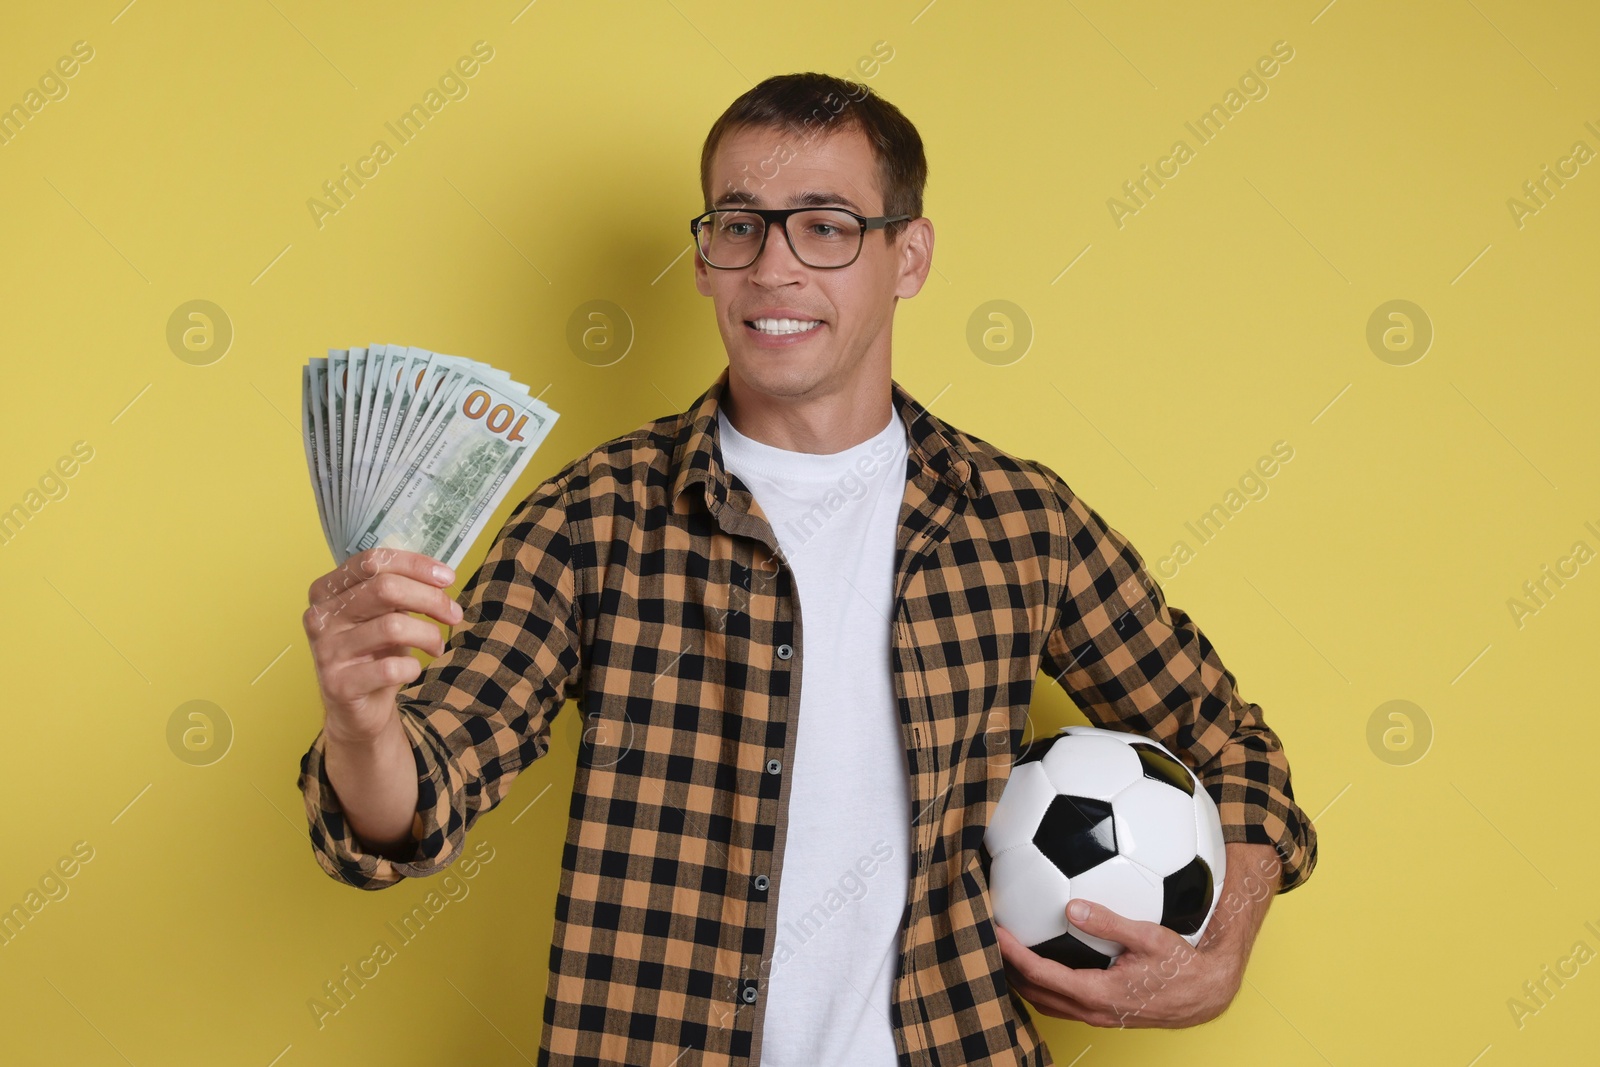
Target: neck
{"type": "Point", "coordinates": [823, 420]}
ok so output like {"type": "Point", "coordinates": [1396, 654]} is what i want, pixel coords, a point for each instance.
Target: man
{"type": "Point", "coordinates": [774, 853]}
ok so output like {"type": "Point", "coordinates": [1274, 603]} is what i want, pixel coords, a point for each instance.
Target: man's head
{"type": "Point", "coordinates": [810, 138]}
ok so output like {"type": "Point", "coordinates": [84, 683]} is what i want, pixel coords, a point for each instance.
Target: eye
{"type": "Point", "coordinates": [735, 226]}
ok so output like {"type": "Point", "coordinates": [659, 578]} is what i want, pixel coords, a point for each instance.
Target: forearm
{"type": "Point", "coordinates": [1252, 879]}
{"type": "Point", "coordinates": [376, 780]}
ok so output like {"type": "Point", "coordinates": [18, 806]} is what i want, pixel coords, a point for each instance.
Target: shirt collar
{"type": "Point", "coordinates": [697, 451]}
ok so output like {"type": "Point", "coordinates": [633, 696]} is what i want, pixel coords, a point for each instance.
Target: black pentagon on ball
{"type": "Point", "coordinates": [1076, 834]}
{"type": "Point", "coordinates": [1159, 765]}
{"type": "Point", "coordinates": [1070, 952]}
{"type": "Point", "coordinates": [1186, 897]}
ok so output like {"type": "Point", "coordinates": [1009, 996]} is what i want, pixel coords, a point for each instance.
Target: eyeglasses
{"type": "Point", "coordinates": [822, 238]}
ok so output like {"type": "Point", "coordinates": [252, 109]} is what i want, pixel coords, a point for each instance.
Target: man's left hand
{"type": "Point", "coordinates": [1159, 980]}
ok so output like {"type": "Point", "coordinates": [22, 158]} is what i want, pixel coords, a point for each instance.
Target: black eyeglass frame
{"type": "Point", "coordinates": [780, 215]}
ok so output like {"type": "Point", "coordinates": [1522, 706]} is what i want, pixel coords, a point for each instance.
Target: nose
{"type": "Point", "coordinates": [776, 264]}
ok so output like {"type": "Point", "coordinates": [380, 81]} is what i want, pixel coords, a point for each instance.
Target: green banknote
{"type": "Point", "coordinates": [414, 449]}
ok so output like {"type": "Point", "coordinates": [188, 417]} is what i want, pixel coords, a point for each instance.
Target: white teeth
{"type": "Point", "coordinates": [781, 326]}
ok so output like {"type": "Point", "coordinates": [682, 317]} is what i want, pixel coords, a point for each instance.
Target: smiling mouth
{"type": "Point", "coordinates": [782, 327]}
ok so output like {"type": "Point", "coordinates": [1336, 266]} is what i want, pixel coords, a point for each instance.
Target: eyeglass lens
{"type": "Point", "coordinates": [821, 238]}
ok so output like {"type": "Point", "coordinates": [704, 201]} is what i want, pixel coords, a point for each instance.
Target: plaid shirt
{"type": "Point", "coordinates": [643, 580]}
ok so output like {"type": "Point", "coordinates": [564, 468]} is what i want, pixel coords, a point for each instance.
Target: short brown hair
{"type": "Point", "coordinates": [805, 104]}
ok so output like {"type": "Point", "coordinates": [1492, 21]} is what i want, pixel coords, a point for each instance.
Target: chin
{"type": "Point", "coordinates": [777, 374]}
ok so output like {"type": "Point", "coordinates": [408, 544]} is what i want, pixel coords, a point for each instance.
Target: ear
{"type": "Point", "coordinates": [702, 273]}
{"type": "Point", "coordinates": [916, 257]}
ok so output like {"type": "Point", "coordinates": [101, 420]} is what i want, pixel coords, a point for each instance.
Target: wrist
{"type": "Point", "coordinates": [364, 739]}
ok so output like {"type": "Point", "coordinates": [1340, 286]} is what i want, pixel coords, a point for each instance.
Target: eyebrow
{"type": "Point", "coordinates": [806, 199]}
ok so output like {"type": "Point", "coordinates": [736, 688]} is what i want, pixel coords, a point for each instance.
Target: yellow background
{"type": "Point", "coordinates": [1228, 314]}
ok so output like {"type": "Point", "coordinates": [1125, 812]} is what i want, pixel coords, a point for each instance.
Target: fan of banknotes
{"type": "Point", "coordinates": [413, 449]}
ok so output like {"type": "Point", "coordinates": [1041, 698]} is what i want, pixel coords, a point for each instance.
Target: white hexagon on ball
{"type": "Point", "coordinates": [1091, 766]}
{"type": "Point", "coordinates": [1155, 825]}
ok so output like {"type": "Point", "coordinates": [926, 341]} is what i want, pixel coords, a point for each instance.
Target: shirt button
{"type": "Point", "coordinates": [762, 883]}
{"type": "Point", "coordinates": [749, 994]}
{"type": "Point", "coordinates": [773, 766]}
{"type": "Point", "coordinates": [785, 651]}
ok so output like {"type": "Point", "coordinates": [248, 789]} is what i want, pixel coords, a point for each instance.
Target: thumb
{"type": "Point", "coordinates": [1099, 920]}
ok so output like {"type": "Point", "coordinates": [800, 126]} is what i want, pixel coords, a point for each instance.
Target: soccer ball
{"type": "Point", "coordinates": [1105, 816]}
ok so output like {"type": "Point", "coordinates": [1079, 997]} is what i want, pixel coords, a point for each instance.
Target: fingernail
{"type": "Point", "coordinates": [444, 574]}
{"type": "Point", "coordinates": [455, 611]}
{"type": "Point", "coordinates": [1078, 910]}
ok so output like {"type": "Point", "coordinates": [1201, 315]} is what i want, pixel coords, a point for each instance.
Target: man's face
{"type": "Point", "coordinates": [853, 306]}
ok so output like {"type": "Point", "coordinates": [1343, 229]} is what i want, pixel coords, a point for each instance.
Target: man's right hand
{"type": "Point", "coordinates": [361, 635]}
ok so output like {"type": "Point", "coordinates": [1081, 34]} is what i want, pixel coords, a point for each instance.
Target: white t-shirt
{"type": "Point", "coordinates": [847, 864]}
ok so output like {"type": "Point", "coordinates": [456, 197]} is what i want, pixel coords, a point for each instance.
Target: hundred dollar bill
{"type": "Point", "coordinates": [319, 426]}
{"type": "Point", "coordinates": [354, 407]}
{"type": "Point", "coordinates": [366, 405]}
{"type": "Point", "coordinates": [377, 395]}
{"type": "Point", "coordinates": [415, 448]}
{"type": "Point", "coordinates": [446, 375]}
{"type": "Point", "coordinates": [401, 381]}
{"type": "Point", "coordinates": [467, 458]}
{"type": "Point", "coordinates": [308, 430]}
{"type": "Point", "coordinates": [436, 383]}
{"type": "Point", "coordinates": [333, 411]}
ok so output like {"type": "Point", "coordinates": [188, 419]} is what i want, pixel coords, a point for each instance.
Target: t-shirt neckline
{"type": "Point", "coordinates": [740, 450]}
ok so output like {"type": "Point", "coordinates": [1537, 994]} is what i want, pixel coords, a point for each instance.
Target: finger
{"type": "Point", "coordinates": [355, 681]}
{"type": "Point", "coordinates": [1116, 1009]}
{"type": "Point", "coordinates": [383, 595]}
{"type": "Point", "coordinates": [1084, 985]}
{"type": "Point", "coordinates": [367, 565]}
{"type": "Point", "coordinates": [347, 595]}
{"type": "Point", "coordinates": [1055, 1003]}
{"type": "Point", "coordinates": [1010, 948]}
{"type": "Point", "coordinates": [1101, 921]}
{"type": "Point", "coordinates": [397, 592]}
{"type": "Point", "coordinates": [387, 635]}
{"type": "Point", "coordinates": [375, 637]}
